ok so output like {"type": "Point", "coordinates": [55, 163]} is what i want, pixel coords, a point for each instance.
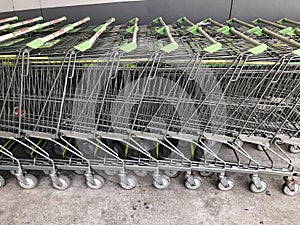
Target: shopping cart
{"type": "Point", "coordinates": [150, 100]}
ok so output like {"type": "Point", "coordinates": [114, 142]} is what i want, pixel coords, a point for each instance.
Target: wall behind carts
{"type": "Point", "coordinates": [123, 10]}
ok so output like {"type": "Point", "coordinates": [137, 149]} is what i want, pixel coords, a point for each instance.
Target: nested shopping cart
{"type": "Point", "coordinates": [152, 100]}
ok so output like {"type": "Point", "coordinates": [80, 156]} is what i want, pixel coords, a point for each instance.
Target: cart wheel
{"type": "Point", "coordinates": [227, 188]}
{"type": "Point", "coordinates": [171, 174]}
{"type": "Point", "coordinates": [206, 174]}
{"type": "Point", "coordinates": [2, 182]}
{"type": "Point", "coordinates": [99, 182]}
{"type": "Point", "coordinates": [197, 185]}
{"type": "Point", "coordinates": [131, 183]}
{"type": "Point", "coordinates": [165, 182]}
{"type": "Point", "coordinates": [79, 172]}
{"type": "Point", "coordinates": [141, 173]}
{"type": "Point", "coordinates": [295, 149]}
{"type": "Point", "coordinates": [255, 189]}
{"type": "Point", "coordinates": [111, 172]}
{"type": "Point", "coordinates": [31, 182]}
{"type": "Point", "coordinates": [286, 190]}
{"type": "Point", "coordinates": [65, 183]}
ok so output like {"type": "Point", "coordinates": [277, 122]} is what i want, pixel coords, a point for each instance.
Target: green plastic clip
{"type": "Point", "coordinates": [131, 29]}
{"type": "Point", "coordinates": [291, 33]}
{"type": "Point", "coordinates": [258, 49]}
{"type": "Point", "coordinates": [255, 30]}
{"type": "Point", "coordinates": [129, 47]}
{"type": "Point", "coordinates": [281, 21]}
{"type": "Point", "coordinates": [206, 20]}
{"type": "Point", "coordinates": [84, 46]}
{"type": "Point", "coordinates": [35, 44]}
{"type": "Point", "coordinates": [193, 29]}
{"type": "Point", "coordinates": [156, 20]}
{"type": "Point", "coordinates": [213, 48]}
{"type": "Point", "coordinates": [286, 30]}
{"type": "Point", "coordinates": [297, 52]}
{"type": "Point", "coordinates": [96, 29]}
{"type": "Point", "coordinates": [181, 20]}
{"type": "Point", "coordinates": [161, 30]}
{"type": "Point", "coordinates": [8, 27]}
{"type": "Point", "coordinates": [132, 21]}
{"type": "Point", "coordinates": [170, 47]}
{"type": "Point", "coordinates": [230, 21]}
{"type": "Point", "coordinates": [255, 21]}
{"type": "Point", "coordinates": [224, 30]}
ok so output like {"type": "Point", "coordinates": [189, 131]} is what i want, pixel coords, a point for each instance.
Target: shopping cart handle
{"type": "Point", "coordinates": [10, 19]}
{"type": "Point", "coordinates": [133, 20]}
{"type": "Point", "coordinates": [84, 46]}
{"type": "Point", "coordinates": [235, 20]}
{"type": "Point", "coordinates": [184, 19]}
{"type": "Point", "coordinates": [181, 20]}
{"type": "Point", "coordinates": [129, 47]}
{"type": "Point", "coordinates": [210, 20]}
{"type": "Point", "coordinates": [288, 41]}
{"type": "Point", "coordinates": [281, 21]}
{"type": "Point", "coordinates": [39, 42]}
{"type": "Point", "coordinates": [270, 23]}
{"type": "Point", "coordinates": [258, 47]}
{"type": "Point", "coordinates": [166, 30]}
{"type": "Point", "coordinates": [258, 31]}
{"type": "Point", "coordinates": [214, 45]}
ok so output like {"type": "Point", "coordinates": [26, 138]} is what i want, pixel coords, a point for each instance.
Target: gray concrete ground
{"type": "Point", "coordinates": [147, 205]}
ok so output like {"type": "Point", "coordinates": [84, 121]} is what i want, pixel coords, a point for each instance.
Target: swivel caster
{"type": "Point", "coordinates": [227, 187]}
{"type": "Point", "coordinates": [225, 183]}
{"type": "Point", "coordinates": [295, 149]}
{"type": "Point", "coordinates": [192, 182]}
{"type": "Point", "coordinates": [286, 189]}
{"type": "Point", "coordinates": [2, 182]}
{"type": "Point", "coordinates": [29, 182]}
{"type": "Point", "coordinates": [128, 182]}
{"type": "Point", "coordinates": [290, 187]}
{"type": "Point", "coordinates": [97, 183]}
{"type": "Point", "coordinates": [64, 183]}
{"type": "Point", "coordinates": [258, 186]}
{"type": "Point", "coordinates": [161, 182]}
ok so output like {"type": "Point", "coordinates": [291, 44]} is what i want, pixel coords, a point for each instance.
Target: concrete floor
{"type": "Point", "coordinates": [146, 205]}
